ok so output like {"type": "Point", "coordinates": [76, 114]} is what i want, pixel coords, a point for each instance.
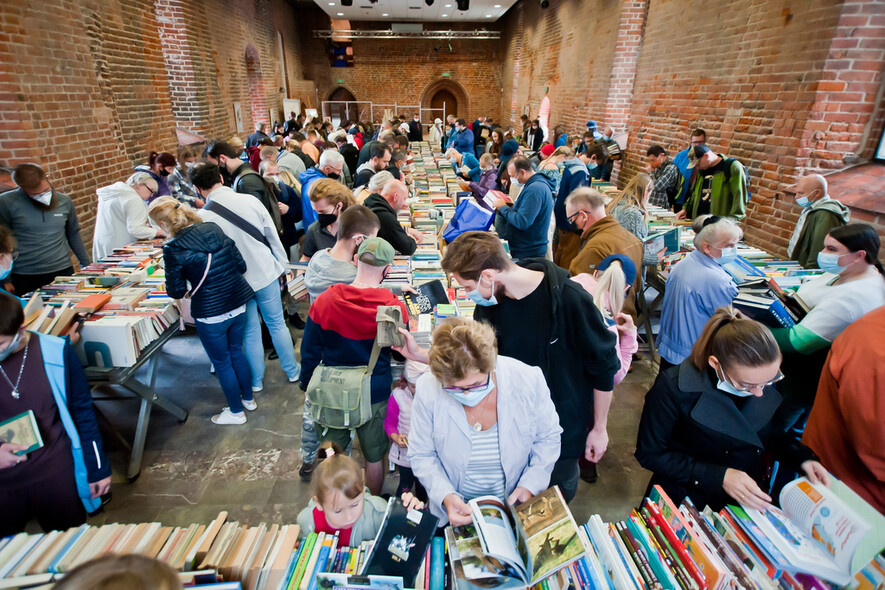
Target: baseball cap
{"type": "Point", "coordinates": [376, 252]}
{"type": "Point", "coordinates": [696, 153]}
{"type": "Point", "coordinates": [591, 124]}
{"type": "Point", "coordinates": [626, 264]}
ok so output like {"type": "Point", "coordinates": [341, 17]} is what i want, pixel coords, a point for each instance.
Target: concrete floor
{"type": "Point", "coordinates": [194, 470]}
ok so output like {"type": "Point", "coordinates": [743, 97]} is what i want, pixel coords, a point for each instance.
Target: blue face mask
{"type": "Point", "coordinates": [829, 262]}
{"type": "Point", "coordinates": [726, 255]}
{"type": "Point", "coordinates": [472, 397]}
{"type": "Point", "coordinates": [5, 272]}
{"type": "Point", "coordinates": [592, 166]}
{"type": "Point", "coordinates": [478, 299]}
{"type": "Point", "coordinates": [4, 354]}
{"type": "Point", "coordinates": [803, 201]}
{"type": "Point", "coordinates": [730, 389]}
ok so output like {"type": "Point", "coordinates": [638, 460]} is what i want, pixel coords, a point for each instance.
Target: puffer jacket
{"type": "Point", "coordinates": [185, 257]}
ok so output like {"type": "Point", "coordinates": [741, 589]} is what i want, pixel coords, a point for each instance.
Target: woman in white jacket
{"type": "Point", "coordinates": [122, 214]}
{"type": "Point", "coordinates": [482, 424]}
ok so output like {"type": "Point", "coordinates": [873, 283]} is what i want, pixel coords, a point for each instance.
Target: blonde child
{"type": "Point", "coordinates": [396, 425]}
{"type": "Point", "coordinates": [341, 503]}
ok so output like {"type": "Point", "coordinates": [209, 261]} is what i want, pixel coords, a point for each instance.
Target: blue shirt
{"type": "Point", "coordinates": [696, 288]}
{"type": "Point", "coordinates": [681, 161]}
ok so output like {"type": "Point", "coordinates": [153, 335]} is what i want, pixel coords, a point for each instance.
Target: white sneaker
{"type": "Point", "coordinates": [256, 389]}
{"type": "Point", "coordinates": [250, 405]}
{"type": "Point", "coordinates": [228, 417]}
{"type": "Point", "coordinates": [296, 377]}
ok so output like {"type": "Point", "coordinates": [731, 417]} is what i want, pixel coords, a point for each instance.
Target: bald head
{"type": "Point", "coordinates": [813, 187]}
{"type": "Point", "coordinates": [396, 193]}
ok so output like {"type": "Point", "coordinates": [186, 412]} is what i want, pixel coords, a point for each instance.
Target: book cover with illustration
{"type": "Point", "coordinates": [401, 543]}
{"type": "Point", "coordinates": [516, 546]}
{"type": "Point", "coordinates": [22, 430]}
{"type": "Point", "coordinates": [429, 295]}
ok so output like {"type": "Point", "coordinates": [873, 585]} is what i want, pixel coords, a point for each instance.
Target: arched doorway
{"type": "Point", "coordinates": [340, 112]}
{"type": "Point", "coordinates": [444, 99]}
{"type": "Point", "coordinates": [444, 91]}
{"type": "Point", "coordinates": [257, 104]}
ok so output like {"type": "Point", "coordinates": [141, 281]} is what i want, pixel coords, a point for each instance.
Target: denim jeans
{"type": "Point", "coordinates": [270, 303]}
{"type": "Point", "coordinates": [223, 343]}
{"type": "Point", "coordinates": [565, 475]}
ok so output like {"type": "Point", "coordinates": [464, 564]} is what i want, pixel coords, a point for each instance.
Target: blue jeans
{"type": "Point", "coordinates": [269, 301]}
{"type": "Point", "coordinates": [223, 343]}
{"type": "Point", "coordinates": [565, 475]}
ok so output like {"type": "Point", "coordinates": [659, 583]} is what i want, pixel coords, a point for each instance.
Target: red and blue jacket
{"type": "Point", "coordinates": [340, 331]}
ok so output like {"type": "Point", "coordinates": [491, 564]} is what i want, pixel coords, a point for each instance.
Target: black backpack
{"type": "Point", "coordinates": [273, 192]}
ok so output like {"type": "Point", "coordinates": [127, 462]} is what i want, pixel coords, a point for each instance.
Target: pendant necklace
{"type": "Point", "coordinates": [15, 392]}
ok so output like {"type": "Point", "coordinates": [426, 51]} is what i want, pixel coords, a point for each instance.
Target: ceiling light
{"type": "Point", "coordinates": [428, 2]}
{"type": "Point", "coordinates": [385, 14]}
{"type": "Point", "coordinates": [488, 16]}
{"type": "Point", "coordinates": [497, 6]}
{"type": "Point", "coordinates": [346, 2]}
{"type": "Point", "coordinates": [444, 15]}
{"type": "Point", "coordinates": [340, 14]}
{"type": "Point", "coordinates": [331, 4]}
{"type": "Point", "coordinates": [448, 5]}
{"type": "Point", "coordinates": [463, 4]}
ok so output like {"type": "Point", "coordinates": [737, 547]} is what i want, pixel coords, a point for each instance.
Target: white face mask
{"type": "Point", "coordinates": [44, 198]}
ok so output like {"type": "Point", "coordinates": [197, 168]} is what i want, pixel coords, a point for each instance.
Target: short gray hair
{"type": "Point", "coordinates": [330, 158]}
{"type": "Point", "coordinates": [378, 181]}
{"type": "Point", "coordinates": [710, 232]}
{"type": "Point", "coordinates": [584, 198]}
{"type": "Point", "coordinates": [143, 178]}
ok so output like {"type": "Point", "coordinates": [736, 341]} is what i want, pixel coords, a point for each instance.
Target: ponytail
{"type": "Point", "coordinates": [734, 340]}
{"type": "Point", "coordinates": [152, 159]}
{"type": "Point", "coordinates": [610, 290]}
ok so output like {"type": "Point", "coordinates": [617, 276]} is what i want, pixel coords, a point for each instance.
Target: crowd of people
{"type": "Point", "coordinates": [554, 328]}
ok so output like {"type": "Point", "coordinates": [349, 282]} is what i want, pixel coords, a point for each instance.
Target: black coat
{"type": "Point", "coordinates": [391, 229]}
{"type": "Point", "coordinates": [185, 257]}
{"type": "Point", "coordinates": [691, 433]}
{"type": "Point", "coordinates": [351, 156]}
{"type": "Point", "coordinates": [416, 132]}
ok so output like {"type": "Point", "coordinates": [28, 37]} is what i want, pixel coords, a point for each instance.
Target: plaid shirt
{"type": "Point", "coordinates": [665, 177]}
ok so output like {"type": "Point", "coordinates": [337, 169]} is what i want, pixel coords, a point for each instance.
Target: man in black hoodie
{"type": "Point", "coordinates": [548, 321]}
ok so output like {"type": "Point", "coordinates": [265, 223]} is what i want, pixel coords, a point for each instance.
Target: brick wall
{"type": "Point", "coordinates": [402, 70]}
{"type": "Point", "coordinates": [96, 86]}
{"type": "Point", "coordinates": [785, 88]}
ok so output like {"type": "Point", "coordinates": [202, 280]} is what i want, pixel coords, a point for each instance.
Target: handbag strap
{"type": "Point", "coordinates": [193, 291]}
{"type": "Point", "coordinates": [228, 215]}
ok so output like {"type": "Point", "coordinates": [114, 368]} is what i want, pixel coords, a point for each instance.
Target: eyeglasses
{"type": "Point", "coordinates": [748, 387]}
{"type": "Point", "coordinates": [452, 390]}
{"type": "Point", "coordinates": [573, 216]}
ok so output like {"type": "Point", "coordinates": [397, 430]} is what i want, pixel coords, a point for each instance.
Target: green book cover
{"type": "Point", "coordinates": [22, 430]}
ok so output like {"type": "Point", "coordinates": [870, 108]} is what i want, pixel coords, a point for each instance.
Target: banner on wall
{"type": "Point", "coordinates": [291, 105]}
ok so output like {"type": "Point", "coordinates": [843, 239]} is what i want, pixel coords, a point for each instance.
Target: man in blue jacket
{"type": "Point", "coordinates": [698, 137]}
{"type": "Point", "coordinates": [331, 165]}
{"type": "Point", "coordinates": [526, 223]}
{"type": "Point", "coordinates": [463, 142]}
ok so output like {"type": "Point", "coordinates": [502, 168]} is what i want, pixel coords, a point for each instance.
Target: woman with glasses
{"type": "Point", "coordinates": [482, 424]}
{"type": "Point", "coordinates": [706, 426]}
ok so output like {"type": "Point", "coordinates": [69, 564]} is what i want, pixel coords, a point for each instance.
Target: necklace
{"type": "Point", "coordinates": [15, 393]}
{"type": "Point", "coordinates": [477, 426]}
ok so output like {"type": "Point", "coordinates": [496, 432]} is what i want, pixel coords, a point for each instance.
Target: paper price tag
{"type": "Point", "coordinates": [415, 516]}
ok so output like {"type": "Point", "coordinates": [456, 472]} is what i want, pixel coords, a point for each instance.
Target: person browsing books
{"type": "Point", "coordinates": [853, 285]}
{"type": "Point", "coordinates": [133, 572]}
{"type": "Point", "coordinates": [60, 481]}
{"type": "Point", "coordinates": [341, 502]}
{"type": "Point", "coordinates": [707, 423]}
{"type": "Point", "coordinates": [482, 424]}
{"type": "Point", "coordinates": [397, 424]}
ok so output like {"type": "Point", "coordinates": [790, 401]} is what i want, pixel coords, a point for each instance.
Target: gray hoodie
{"type": "Point", "coordinates": [324, 270]}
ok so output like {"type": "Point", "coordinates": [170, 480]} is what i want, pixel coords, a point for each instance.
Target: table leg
{"type": "Point", "coordinates": [144, 417]}
{"type": "Point", "coordinates": [147, 393]}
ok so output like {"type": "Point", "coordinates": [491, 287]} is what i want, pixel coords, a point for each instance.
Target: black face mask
{"type": "Point", "coordinates": [326, 219]}
{"type": "Point", "coordinates": [225, 176]}
{"type": "Point", "coordinates": [333, 175]}
{"type": "Point", "coordinates": [164, 172]}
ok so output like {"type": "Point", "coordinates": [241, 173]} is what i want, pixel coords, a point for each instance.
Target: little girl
{"type": "Point", "coordinates": [341, 503]}
{"type": "Point", "coordinates": [396, 425]}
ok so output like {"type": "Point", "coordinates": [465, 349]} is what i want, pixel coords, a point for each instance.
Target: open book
{"type": "Point", "coordinates": [815, 532]}
{"type": "Point", "coordinates": [517, 546]}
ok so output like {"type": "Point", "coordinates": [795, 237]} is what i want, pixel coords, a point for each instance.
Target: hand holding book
{"type": "Point", "coordinates": [744, 489]}
{"type": "Point", "coordinates": [457, 510]}
{"type": "Point", "coordinates": [8, 456]}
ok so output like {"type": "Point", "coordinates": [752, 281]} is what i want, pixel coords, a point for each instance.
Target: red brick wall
{"type": "Point", "coordinates": [401, 70]}
{"type": "Point", "coordinates": [89, 96]}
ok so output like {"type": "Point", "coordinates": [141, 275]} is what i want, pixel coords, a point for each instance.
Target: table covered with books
{"type": "Point", "coordinates": [118, 317]}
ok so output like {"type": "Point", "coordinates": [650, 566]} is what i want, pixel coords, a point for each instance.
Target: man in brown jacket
{"type": "Point", "coordinates": [602, 236]}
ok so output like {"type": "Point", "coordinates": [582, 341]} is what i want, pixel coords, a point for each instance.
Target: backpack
{"type": "Point", "coordinates": [273, 193]}
{"type": "Point", "coordinates": [728, 163]}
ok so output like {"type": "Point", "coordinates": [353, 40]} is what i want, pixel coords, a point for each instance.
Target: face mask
{"type": "Point", "coordinates": [727, 255]}
{"type": "Point", "coordinates": [5, 272]}
{"type": "Point", "coordinates": [515, 182]}
{"type": "Point", "coordinates": [592, 166]}
{"type": "Point", "coordinates": [803, 201]}
{"type": "Point", "coordinates": [333, 175]}
{"type": "Point", "coordinates": [727, 387]}
{"type": "Point", "coordinates": [4, 354]}
{"type": "Point", "coordinates": [478, 299]}
{"type": "Point", "coordinates": [44, 198]}
{"type": "Point", "coordinates": [607, 137]}
{"type": "Point", "coordinates": [471, 398]}
{"type": "Point", "coordinates": [326, 219]}
{"type": "Point", "coordinates": [190, 165]}
{"type": "Point", "coordinates": [829, 262]}
{"type": "Point", "coordinates": [164, 172]}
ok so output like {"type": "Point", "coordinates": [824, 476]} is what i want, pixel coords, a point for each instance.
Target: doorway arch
{"type": "Point", "coordinates": [257, 104]}
{"type": "Point", "coordinates": [449, 91]}
{"type": "Point", "coordinates": [340, 112]}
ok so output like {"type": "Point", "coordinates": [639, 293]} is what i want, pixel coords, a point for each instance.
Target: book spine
{"type": "Point", "coordinates": [437, 564]}
{"type": "Point", "coordinates": [681, 551]}
{"type": "Point", "coordinates": [638, 555]}
{"type": "Point", "coordinates": [668, 560]}
{"type": "Point", "coordinates": [322, 560]}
